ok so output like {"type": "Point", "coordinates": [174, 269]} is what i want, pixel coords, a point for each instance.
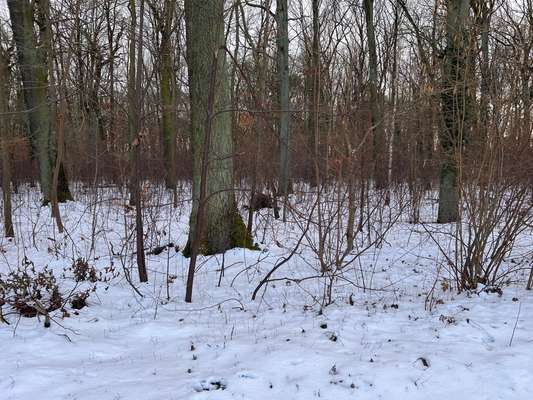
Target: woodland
{"type": "Point", "coordinates": [266, 199]}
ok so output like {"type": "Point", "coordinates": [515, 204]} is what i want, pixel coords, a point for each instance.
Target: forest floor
{"type": "Point", "coordinates": [396, 329]}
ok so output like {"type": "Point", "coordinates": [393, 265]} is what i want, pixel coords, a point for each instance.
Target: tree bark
{"type": "Point", "coordinates": [484, 12]}
{"type": "Point", "coordinates": [133, 118]}
{"type": "Point", "coordinates": [378, 130]}
{"type": "Point", "coordinates": [4, 144]}
{"type": "Point", "coordinates": [455, 107]}
{"type": "Point", "coordinates": [223, 227]}
{"type": "Point", "coordinates": [33, 63]}
{"type": "Point", "coordinates": [316, 86]}
{"type": "Point", "coordinates": [167, 94]}
{"type": "Point", "coordinates": [135, 76]}
{"type": "Point", "coordinates": [283, 78]}
{"type": "Point", "coordinates": [393, 134]}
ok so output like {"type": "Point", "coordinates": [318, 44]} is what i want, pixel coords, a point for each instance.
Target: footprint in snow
{"type": "Point", "coordinates": [247, 375]}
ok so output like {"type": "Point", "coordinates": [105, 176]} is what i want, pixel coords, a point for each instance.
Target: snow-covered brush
{"type": "Point", "coordinates": [32, 292]}
{"type": "Point", "coordinates": [496, 210]}
{"type": "Point", "coordinates": [323, 240]}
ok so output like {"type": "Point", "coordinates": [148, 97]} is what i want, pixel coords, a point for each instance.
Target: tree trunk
{"type": "Point", "coordinates": [283, 78]}
{"type": "Point", "coordinates": [314, 120]}
{"type": "Point", "coordinates": [484, 14]}
{"type": "Point", "coordinates": [455, 107]}
{"type": "Point", "coordinates": [135, 76]}
{"type": "Point", "coordinates": [223, 227]}
{"type": "Point", "coordinates": [57, 124]}
{"type": "Point", "coordinates": [393, 134]}
{"type": "Point", "coordinates": [110, 9]}
{"type": "Point", "coordinates": [33, 65]}
{"type": "Point", "coordinates": [378, 131]}
{"type": "Point", "coordinates": [133, 118]}
{"type": "Point", "coordinates": [139, 224]}
{"type": "Point", "coordinates": [167, 94]}
{"type": "Point", "coordinates": [6, 184]}
{"type": "Point", "coordinates": [4, 144]}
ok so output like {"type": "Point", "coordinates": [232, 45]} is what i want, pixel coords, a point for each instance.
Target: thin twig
{"type": "Point", "coordinates": [515, 324]}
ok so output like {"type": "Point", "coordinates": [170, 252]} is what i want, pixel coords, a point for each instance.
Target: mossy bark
{"type": "Point", "coordinates": [223, 227]}
{"type": "Point", "coordinates": [238, 237]}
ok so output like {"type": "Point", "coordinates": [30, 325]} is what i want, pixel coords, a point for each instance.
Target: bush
{"type": "Point", "coordinates": [30, 293]}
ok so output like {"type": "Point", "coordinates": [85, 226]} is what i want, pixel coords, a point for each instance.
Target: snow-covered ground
{"type": "Point", "coordinates": [389, 340]}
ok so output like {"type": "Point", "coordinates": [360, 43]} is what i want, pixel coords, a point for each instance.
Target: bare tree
{"type": "Point", "coordinates": [135, 77]}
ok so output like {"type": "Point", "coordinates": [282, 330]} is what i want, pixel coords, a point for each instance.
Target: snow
{"type": "Point", "coordinates": [377, 343]}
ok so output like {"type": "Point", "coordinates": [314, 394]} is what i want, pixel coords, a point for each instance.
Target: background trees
{"type": "Point", "coordinates": [32, 33]}
{"type": "Point", "coordinates": [379, 93]}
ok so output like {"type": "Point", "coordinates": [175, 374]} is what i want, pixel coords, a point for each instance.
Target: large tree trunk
{"type": "Point", "coordinates": [455, 106]}
{"type": "Point", "coordinates": [33, 65]}
{"type": "Point", "coordinates": [222, 225]}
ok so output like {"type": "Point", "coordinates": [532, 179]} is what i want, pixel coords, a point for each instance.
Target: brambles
{"type": "Point", "coordinates": [30, 292]}
{"type": "Point", "coordinates": [83, 272]}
